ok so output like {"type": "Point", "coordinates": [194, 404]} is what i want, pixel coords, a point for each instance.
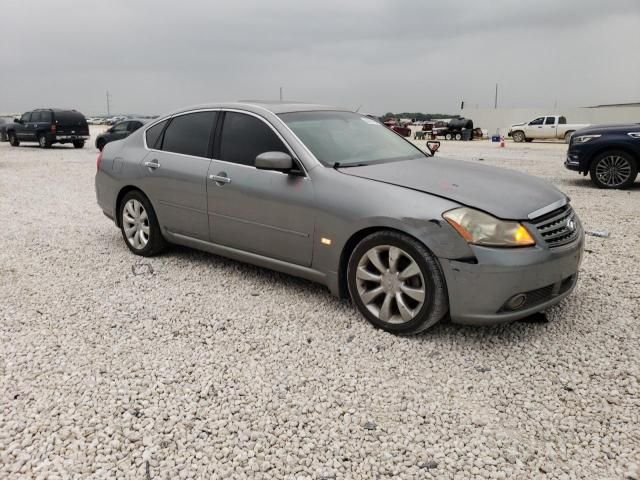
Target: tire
{"type": "Point", "coordinates": [130, 216]}
{"type": "Point", "coordinates": [100, 144]}
{"type": "Point", "coordinates": [43, 142]}
{"type": "Point", "coordinates": [613, 169]}
{"type": "Point", "coordinates": [78, 144]}
{"type": "Point", "coordinates": [567, 136]}
{"type": "Point", "coordinates": [518, 136]}
{"type": "Point", "coordinates": [447, 136]}
{"type": "Point", "coordinates": [372, 288]}
{"type": "Point", "coordinates": [13, 140]}
{"type": "Point", "coordinates": [458, 136]}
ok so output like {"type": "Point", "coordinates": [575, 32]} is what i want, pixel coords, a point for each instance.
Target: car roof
{"type": "Point", "coordinates": [273, 106]}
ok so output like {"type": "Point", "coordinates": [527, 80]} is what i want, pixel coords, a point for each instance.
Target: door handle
{"type": "Point", "coordinates": [220, 179]}
{"type": "Point", "coordinates": [152, 165]}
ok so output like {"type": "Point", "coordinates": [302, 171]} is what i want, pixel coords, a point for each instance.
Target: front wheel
{"type": "Point", "coordinates": [613, 169]}
{"type": "Point", "coordinates": [519, 137]}
{"type": "Point", "coordinates": [567, 136]}
{"type": "Point", "coordinates": [78, 144]}
{"type": "Point", "coordinates": [13, 140]}
{"type": "Point", "coordinates": [458, 136]}
{"type": "Point", "coordinates": [139, 225]}
{"type": "Point", "coordinates": [448, 136]}
{"type": "Point", "coordinates": [396, 283]}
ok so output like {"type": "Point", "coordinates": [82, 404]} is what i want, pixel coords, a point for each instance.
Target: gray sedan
{"type": "Point", "coordinates": [335, 197]}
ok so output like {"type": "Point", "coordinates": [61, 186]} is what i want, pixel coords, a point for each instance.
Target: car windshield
{"type": "Point", "coordinates": [349, 139]}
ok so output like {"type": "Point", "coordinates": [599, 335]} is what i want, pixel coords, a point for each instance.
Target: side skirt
{"type": "Point", "coordinates": [247, 257]}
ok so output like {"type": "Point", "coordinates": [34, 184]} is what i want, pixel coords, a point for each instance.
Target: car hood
{"type": "Point", "coordinates": [518, 124]}
{"type": "Point", "coordinates": [611, 128]}
{"type": "Point", "coordinates": [504, 193]}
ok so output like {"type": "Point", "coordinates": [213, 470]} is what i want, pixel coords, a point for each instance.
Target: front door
{"type": "Point", "coordinates": [534, 129]}
{"type": "Point", "coordinates": [24, 130]}
{"type": "Point", "coordinates": [175, 172]}
{"type": "Point", "coordinates": [258, 211]}
{"type": "Point", "coordinates": [549, 128]}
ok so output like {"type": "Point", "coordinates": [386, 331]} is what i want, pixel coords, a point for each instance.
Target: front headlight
{"type": "Point", "coordinates": [584, 138]}
{"type": "Point", "coordinates": [480, 228]}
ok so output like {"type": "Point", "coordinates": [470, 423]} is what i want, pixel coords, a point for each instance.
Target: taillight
{"type": "Point", "coordinates": [53, 128]}
{"type": "Point", "coordinates": [99, 161]}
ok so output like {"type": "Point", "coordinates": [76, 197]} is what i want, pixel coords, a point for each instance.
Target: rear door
{"type": "Point", "coordinates": [70, 122]}
{"type": "Point", "coordinates": [549, 128]}
{"type": "Point", "coordinates": [175, 172]}
{"type": "Point", "coordinates": [258, 211]}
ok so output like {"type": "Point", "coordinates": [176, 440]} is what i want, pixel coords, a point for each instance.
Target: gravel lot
{"type": "Point", "coordinates": [192, 366]}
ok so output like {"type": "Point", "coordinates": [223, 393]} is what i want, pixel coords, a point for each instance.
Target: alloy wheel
{"type": "Point", "coordinates": [390, 284]}
{"type": "Point", "coordinates": [613, 170]}
{"type": "Point", "coordinates": [135, 221]}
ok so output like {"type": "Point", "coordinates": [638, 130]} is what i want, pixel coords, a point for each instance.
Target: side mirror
{"type": "Point", "coordinates": [433, 146]}
{"type": "Point", "coordinates": [279, 161]}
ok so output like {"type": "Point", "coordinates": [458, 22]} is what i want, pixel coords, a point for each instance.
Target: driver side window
{"type": "Point", "coordinates": [537, 121]}
{"type": "Point", "coordinates": [26, 117]}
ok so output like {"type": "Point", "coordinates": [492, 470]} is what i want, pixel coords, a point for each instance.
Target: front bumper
{"type": "Point", "coordinates": [479, 292]}
{"type": "Point", "coordinates": [572, 162]}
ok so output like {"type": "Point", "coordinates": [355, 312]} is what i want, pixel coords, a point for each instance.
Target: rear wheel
{"type": "Point", "coordinates": [78, 144]}
{"type": "Point", "coordinates": [519, 137]}
{"type": "Point", "coordinates": [13, 140]}
{"type": "Point", "coordinates": [43, 142]}
{"type": "Point", "coordinates": [139, 225]}
{"type": "Point", "coordinates": [458, 136]}
{"type": "Point", "coordinates": [396, 283]}
{"type": "Point", "coordinates": [613, 169]}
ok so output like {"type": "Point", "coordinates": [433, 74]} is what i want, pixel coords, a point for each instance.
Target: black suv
{"type": "Point", "coordinates": [48, 126]}
{"type": "Point", "coordinates": [119, 131]}
{"type": "Point", "coordinates": [609, 153]}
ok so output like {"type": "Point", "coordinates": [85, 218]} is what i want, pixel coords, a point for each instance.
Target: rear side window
{"type": "Point", "coordinates": [562, 121]}
{"type": "Point", "coordinates": [70, 118]}
{"type": "Point", "coordinates": [133, 126]}
{"type": "Point", "coordinates": [244, 137]}
{"type": "Point", "coordinates": [153, 135]}
{"type": "Point", "coordinates": [550, 121]}
{"type": "Point", "coordinates": [189, 134]}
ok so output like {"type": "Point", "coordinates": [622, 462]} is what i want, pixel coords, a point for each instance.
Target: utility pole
{"type": "Point", "coordinates": [495, 102]}
{"type": "Point", "coordinates": [280, 93]}
{"type": "Point", "coordinates": [108, 106]}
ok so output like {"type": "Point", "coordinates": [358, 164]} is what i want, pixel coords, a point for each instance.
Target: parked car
{"type": "Point", "coordinates": [48, 126]}
{"type": "Point", "coordinates": [119, 131]}
{"type": "Point", "coordinates": [547, 127]}
{"type": "Point", "coordinates": [400, 129]}
{"type": "Point", "coordinates": [455, 129]}
{"type": "Point", "coordinates": [610, 154]}
{"type": "Point", "coordinates": [4, 124]}
{"type": "Point", "coordinates": [332, 196]}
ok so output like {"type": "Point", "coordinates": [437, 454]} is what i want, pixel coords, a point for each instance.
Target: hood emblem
{"type": "Point", "coordinates": [571, 225]}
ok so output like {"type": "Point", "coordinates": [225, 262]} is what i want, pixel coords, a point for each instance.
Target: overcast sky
{"type": "Point", "coordinates": [155, 55]}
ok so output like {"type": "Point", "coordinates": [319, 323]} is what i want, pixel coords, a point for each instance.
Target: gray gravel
{"type": "Point", "coordinates": [192, 366]}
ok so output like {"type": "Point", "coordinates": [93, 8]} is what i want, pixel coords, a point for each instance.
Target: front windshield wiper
{"type": "Point", "coordinates": [340, 165]}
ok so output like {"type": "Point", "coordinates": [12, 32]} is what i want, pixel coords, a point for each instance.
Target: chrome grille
{"type": "Point", "coordinates": [558, 227]}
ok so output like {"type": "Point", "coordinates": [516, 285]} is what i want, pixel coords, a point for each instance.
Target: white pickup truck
{"type": "Point", "coordinates": [551, 126]}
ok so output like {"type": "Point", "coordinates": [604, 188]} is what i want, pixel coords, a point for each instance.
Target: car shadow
{"type": "Point", "coordinates": [585, 182]}
{"type": "Point", "coordinates": [444, 331]}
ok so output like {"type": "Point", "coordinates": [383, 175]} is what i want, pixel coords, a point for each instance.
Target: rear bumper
{"type": "Point", "coordinates": [70, 138]}
{"type": "Point", "coordinates": [478, 292]}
